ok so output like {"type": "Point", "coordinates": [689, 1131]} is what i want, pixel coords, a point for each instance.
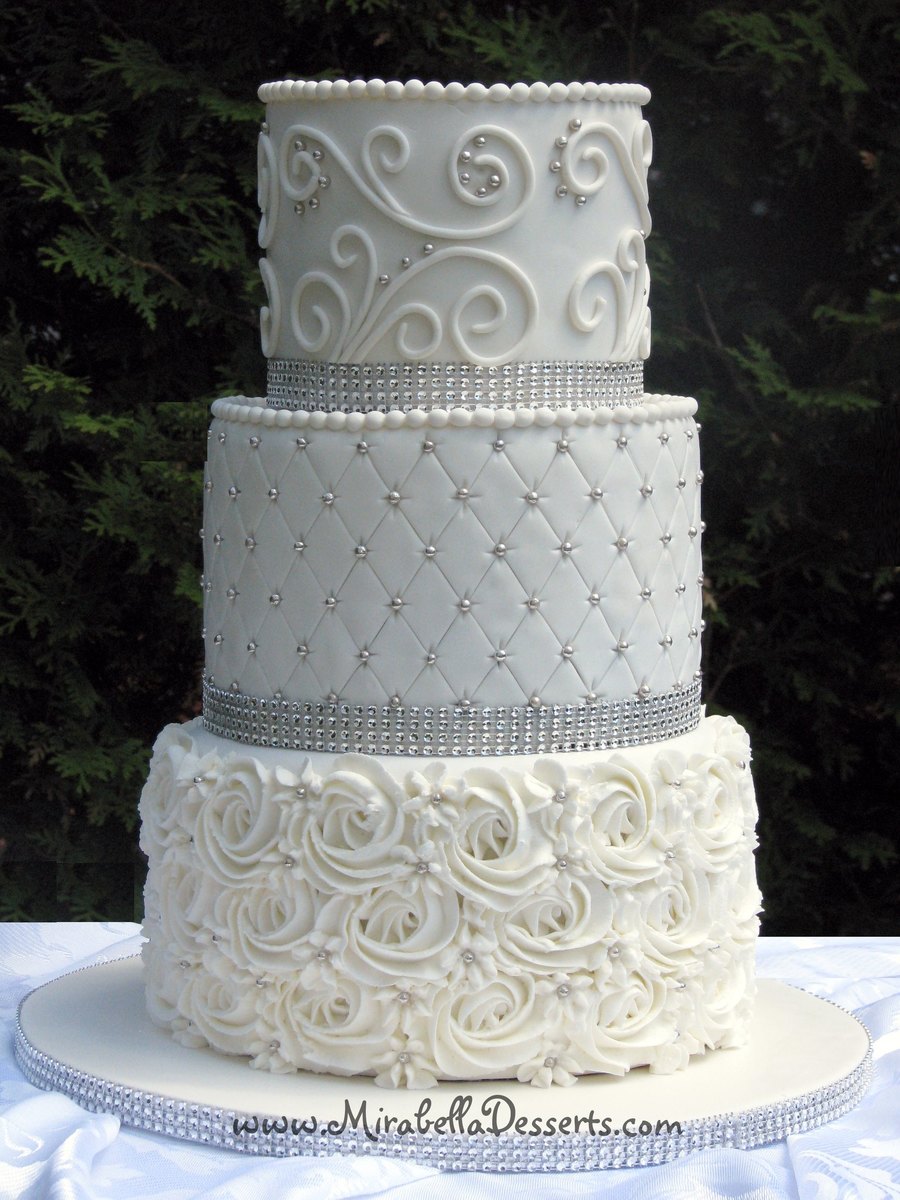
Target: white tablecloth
{"type": "Point", "coordinates": [51, 1148]}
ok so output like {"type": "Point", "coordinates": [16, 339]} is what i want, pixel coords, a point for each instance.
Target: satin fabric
{"type": "Point", "coordinates": [49, 1147]}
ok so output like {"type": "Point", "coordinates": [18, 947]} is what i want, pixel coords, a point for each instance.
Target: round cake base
{"type": "Point", "coordinates": [87, 1035]}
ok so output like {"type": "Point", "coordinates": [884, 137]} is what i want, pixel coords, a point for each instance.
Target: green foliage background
{"type": "Point", "coordinates": [128, 257]}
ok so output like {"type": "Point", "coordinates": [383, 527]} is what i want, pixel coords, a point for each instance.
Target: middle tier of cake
{"type": "Point", "coordinates": [519, 560]}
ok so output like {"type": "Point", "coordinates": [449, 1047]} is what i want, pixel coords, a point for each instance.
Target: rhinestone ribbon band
{"type": "Point", "coordinates": [363, 387]}
{"type": "Point", "coordinates": [206, 1123]}
{"type": "Point", "coordinates": [437, 730]}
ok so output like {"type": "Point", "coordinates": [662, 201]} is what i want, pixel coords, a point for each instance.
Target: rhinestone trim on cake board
{"type": "Point", "coordinates": [69, 1012]}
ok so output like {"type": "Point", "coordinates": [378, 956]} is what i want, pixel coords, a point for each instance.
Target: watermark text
{"type": "Point", "coordinates": [495, 1115]}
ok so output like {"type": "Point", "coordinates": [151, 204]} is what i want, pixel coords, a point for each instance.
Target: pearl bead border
{"type": "Point", "coordinates": [415, 89]}
{"type": "Point", "coordinates": [244, 410]}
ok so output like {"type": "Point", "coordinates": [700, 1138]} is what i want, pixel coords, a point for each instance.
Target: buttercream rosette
{"type": "Point", "coordinates": [395, 931]}
{"type": "Point", "coordinates": [627, 1026]}
{"type": "Point", "coordinates": [349, 841]}
{"type": "Point", "coordinates": [549, 930]}
{"type": "Point", "coordinates": [186, 896]}
{"type": "Point", "coordinates": [236, 833]}
{"type": "Point", "coordinates": [221, 1009]}
{"type": "Point", "coordinates": [332, 1028]}
{"type": "Point", "coordinates": [176, 785]}
{"type": "Point", "coordinates": [488, 1033]}
{"type": "Point", "coordinates": [264, 924]}
{"type": "Point", "coordinates": [618, 823]}
{"type": "Point", "coordinates": [497, 853]}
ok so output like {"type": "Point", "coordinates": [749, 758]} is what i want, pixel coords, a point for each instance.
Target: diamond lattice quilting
{"type": "Point", "coordinates": [452, 564]}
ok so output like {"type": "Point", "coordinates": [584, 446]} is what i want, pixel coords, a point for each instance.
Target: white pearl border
{"type": "Point", "coordinates": [415, 89]}
{"type": "Point", "coordinates": [247, 411]}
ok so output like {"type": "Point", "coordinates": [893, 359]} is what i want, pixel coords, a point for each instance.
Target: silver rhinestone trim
{"type": "Point", "coordinates": [366, 387]}
{"type": "Point", "coordinates": [450, 730]}
{"type": "Point", "coordinates": [157, 1113]}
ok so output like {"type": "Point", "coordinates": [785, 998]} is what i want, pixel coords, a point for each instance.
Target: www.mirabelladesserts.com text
{"type": "Point", "coordinates": [495, 1115]}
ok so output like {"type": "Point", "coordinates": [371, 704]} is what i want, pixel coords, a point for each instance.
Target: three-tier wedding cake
{"type": "Point", "coordinates": [453, 810]}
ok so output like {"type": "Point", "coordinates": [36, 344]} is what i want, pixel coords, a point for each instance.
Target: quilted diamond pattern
{"type": "Point", "coordinates": [439, 565]}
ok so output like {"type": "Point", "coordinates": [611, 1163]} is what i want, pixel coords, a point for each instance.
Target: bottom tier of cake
{"type": "Point", "coordinates": [455, 918]}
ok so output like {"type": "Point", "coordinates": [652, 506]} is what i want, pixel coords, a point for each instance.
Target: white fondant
{"type": "Point", "coordinates": [450, 919]}
{"type": "Point", "coordinates": [420, 230]}
{"type": "Point", "coordinates": [355, 515]}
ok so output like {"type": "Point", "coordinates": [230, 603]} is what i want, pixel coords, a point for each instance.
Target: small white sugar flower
{"type": "Point", "coordinates": [624, 955]}
{"type": "Point", "coordinates": [408, 998]}
{"type": "Point", "coordinates": [551, 1066]}
{"type": "Point", "coordinates": [474, 965]}
{"type": "Point", "coordinates": [186, 1033]}
{"type": "Point", "coordinates": [568, 860]}
{"type": "Point", "coordinates": [424, 865]}
{"type": "Point", "coordinates": [316, 958]}
{"type": "Point", "coordinates": [565, 996]}
{"type": "Point", "coordinates": [271, 1059]}
{"type": "Point", "coordinates": [670, 1058]}
{"type": "Point", "coordinates": [405, 1064]}
{"type": "Point", "coordinates": [433, 802]}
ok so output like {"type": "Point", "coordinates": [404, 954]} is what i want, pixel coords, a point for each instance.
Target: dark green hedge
{"type": "Point", "coordinates": [128, 259]}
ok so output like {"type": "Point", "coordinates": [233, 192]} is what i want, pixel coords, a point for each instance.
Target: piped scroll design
{"type": "Point", "coordinates": [585, 163]}
{"type": "Point", "coordinates": [270, 313]}
{"type": "Point", "coordinates": [325, 319]}
{"type": "Point", "coordinates": [267, 189]}
{"type": "Point", "coordinates": [481, 175]}
{"type": "Point", "coordinates": [630, 282]}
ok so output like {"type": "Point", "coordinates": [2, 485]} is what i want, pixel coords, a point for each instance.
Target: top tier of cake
{"type": "Point", "coordinates": [431, 245]}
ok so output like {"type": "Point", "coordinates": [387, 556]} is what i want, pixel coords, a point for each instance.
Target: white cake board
{"type": "Point", "coordinates": [87, 1035]}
